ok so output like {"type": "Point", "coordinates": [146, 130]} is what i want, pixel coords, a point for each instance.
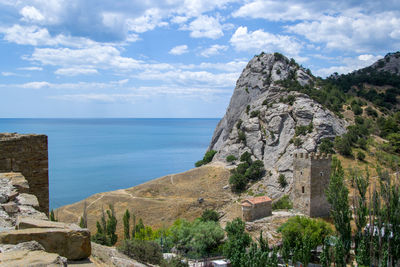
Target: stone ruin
{"type": "Point", "coordinates": [26, 234]}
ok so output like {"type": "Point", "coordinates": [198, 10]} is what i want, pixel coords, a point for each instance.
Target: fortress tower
{"type": "Point", "coordinates": [311, 173]}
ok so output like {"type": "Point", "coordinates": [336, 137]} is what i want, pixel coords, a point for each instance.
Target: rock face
{"type": "Point", "coordinates": [390, 63]}
{"type": "Point", "coordinates": [263, 115]}
{"type": "Point", "coordinates": [74, 244]}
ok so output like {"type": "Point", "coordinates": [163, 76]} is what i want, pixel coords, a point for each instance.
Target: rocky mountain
{"type": "Point", "coordinates": [390, 63]}
{"type": "Point", "coordinates": [271, 122]}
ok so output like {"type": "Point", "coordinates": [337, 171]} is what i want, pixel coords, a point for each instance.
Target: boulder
{"type": "Point", "coordinates": [31, 246]}
{"type": "Point", "coordinates": [28, 200]}
{"type": "Point", "coordinates": [29, 222]}
{"type": "Point", "coordinates": [74, 244]}
{"type": "Point", "coordinates": [29, 211]}
{"type": "Point", "coordinates": [28, 258]}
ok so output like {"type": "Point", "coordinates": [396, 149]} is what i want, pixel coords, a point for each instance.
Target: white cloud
{"type": "Point", "coordinates": [276, 10]}
{"type": "Point", "coordinates": [179, 50]}
{"type": "Point", "coordinates": [349, 64]}
{"type": "Point", "coordinates": [359, 32]}
{"type": "Point", "coordinates": [259, 40]}
{"type": "Point", "coordinates": [191, 78]}
{"type": "Point", "coordinates": [30, 13]}
{"type": "Point", "coordinates": [75, 71]}
{"type": "Point", "coordinates": [205, 27]}
{"type": "Point", "coordinates": [213, 50]}
{"type": "Point", "coordinates": [35, 85]}
{"type": "Point", "coordinates": [31, 68]}
{"type": "Point", "coordinates": [7, 73]}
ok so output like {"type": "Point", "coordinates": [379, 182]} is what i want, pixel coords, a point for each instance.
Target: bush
{"type": "Point", "coordinates": [247, 109]}
{"type": "Point", "coordinates": [326, 146]}
{"type": "Point", "coordinates": [242, 136]}
{"type": "Point", "coordinates": [231, 158]}
{"type": "Point", "coordinates": [238, 182]}
{"type": "Point", "coordinates": [371, 112]}
{"type": "Point", "coordinates": [283, 203]}
{"type": "Point", "coordinates": [255, 171]}
{"type": "Point", "coordinates": [246, 157]}
{"type": "Point", "coordinates": [210, 215]}
{"type": "Point", "coordinates": [357, 109]}
{"type": "Point", "coordinates": [143, 251]}
{"type": "Point", "coordinates": [174, 262]}
{"type": "Point", "coordinates": [282, 180]}
{"type": "Point", "coordinates": [360, 156]}
{"type": "Point", "coordinates": [301, 130]}
{"type": "Point", "coordinates": [206, 159]}
{"type": "Point", "coordinates": [343, 145]}
{"type": "Point", "coordinates": [254, 113]}
{"type": "Point", "coordinates": [297, 142]}
{"type": "Point", "coordinates": [239, 123]}
{"type": "Point", "coordinates": [265, 102]}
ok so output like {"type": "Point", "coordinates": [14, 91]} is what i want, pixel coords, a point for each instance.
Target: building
{"type": "Point", "coordinates": [256, 208]}
{"type": "Point", "coordinates": [311, 173]}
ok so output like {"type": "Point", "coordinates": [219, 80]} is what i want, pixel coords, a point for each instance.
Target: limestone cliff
{"type": "Point", "coordinates": [263, 115]}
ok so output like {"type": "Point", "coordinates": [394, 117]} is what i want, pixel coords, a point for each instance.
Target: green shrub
{"type": "Point", "coordinates": [265, 102]}
{"type": "Point", "coordinates": [254, 113]}
{"type": "Point", "coordinates": [239, 123]}
{"type": "Point", "coordinates": [283, 203]}
{"type": "Point", "coordinates": [301, 130]}
{"type": "Point", "coordinates": [242, 136]}
{"type": "Point", "coordinates": [282, 180]}
{"type": "Point", "coordinates": [210, 215]}
{"type": "Point", "coordinates": [206, 159]}
{"type": "Point", "coordinates": [106, 229]}
{"type": "Point", "coordinates": [255, 171]}
{"type": "Point", "coordinates": [360, 156]}
{"type": "Point", "coordinates": [247, 109]}
{"type": "Point", "coordinates": [371, 112]}
{"type": "Point", "coordinates": [174, 262]}
{"type": "Point", "coordinates": [238, 182]}
{"type": "Point", "coordinates": [343, 145]}
{"type": "Point", "coordinates": [231, 158]}
{"type": "Point", "coordinates": [297, 142]}
{"type": "Point", "coordinates": [246, 157]}
{"type": "Point", "coordinates": [357, 109]}
{"type": "Point", "coordinates": [326, 146]}
{"type": "Point", "coordinates": [142, 251]}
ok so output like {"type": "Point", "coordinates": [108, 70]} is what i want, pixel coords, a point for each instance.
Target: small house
{"type": "Point", "coordinates": [256, 208]}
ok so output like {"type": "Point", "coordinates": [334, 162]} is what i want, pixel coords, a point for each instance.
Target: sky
{"type": "Point", "coordinates": [172, 58]}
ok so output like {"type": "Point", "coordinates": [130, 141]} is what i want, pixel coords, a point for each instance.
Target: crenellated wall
{"type": "Point", "coordinates": [27, 154]}
{"type": "Point", "coordinates": [311, 173]}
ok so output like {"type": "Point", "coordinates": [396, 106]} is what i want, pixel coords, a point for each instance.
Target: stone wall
{"type": "Point", "coordinates": [27, 154]}
{"type": "Point", "coordinates": [257, 211]}
{"type": "Point", "coordinates": [311, 174]}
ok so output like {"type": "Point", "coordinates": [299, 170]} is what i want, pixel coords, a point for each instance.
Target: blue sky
{"type": "Point", "coordinates": [173, 58]}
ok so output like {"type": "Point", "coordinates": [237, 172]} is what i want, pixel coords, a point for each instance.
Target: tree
{"type": "Point", "coordinates": [337, 196]}
{"type": "Point", "coordinates": [255, 171]}
{"type": "Point", "coordinates": [246, 157]}
{"type": "Point", "coordinates": [360, 156]}
{"type": "Point", "coordinates": [300, 235]}
{"type": "Point", "coordinates": [237, 242]}
{"type": "Point", "coordinates": [206, 159]}
{"type": "Point", "coordinates": [126, 219]}
{"type": "Point", "coordinates": [106, 229]}
{"type": "Point", "coordinates": [231, 158]}
{"type": "Point", "coordinates": [83, 221]}
{"type": "Point", "coordinates": [282, 180]}
{"type": "Point", "coordinates": [237, 181]}
{"type": "Point", "coordinates": [210, 215]}
{"type": "Point", "coordinates": [143, 251]}
{"type": "Point", "coordinates": [52, 216]}
{"type": "Point", "coordinates": [259, 255]}
{"type": "Point", "coordinates": [326, 146]}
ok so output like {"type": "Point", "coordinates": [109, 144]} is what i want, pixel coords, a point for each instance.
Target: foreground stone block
{"type": "Point", "coordinates": [74, 244]}
{"type": "Point", "coordinates": [31, 258]}
{"type": "Point", "coordinates": [28, 200]}
{"type": "Point", "coordinates": [29, 222]}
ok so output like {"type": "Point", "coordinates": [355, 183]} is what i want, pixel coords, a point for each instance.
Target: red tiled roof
{"type": "Point", "coordinates": [257, 200]}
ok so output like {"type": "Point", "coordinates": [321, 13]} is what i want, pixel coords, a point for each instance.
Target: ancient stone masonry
{"type": "Point", "coordinates": [256, 208]}
{"type": "Point", "coordinates": [311, 174]}
{"type": "Point", "coordinates": [27, 154]}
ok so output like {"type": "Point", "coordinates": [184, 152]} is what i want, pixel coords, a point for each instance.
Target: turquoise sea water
{"type": "Point", "coordinates": [88, 156]}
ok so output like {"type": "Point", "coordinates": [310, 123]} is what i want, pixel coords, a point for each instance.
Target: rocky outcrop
{"type": "Point", "coordinates": [112, 257]}
{"type": "Point", "coordinates": [263, 115]}
{"type": "Point", "coordinates": [19, 210]}
{"type": "Point", "coordinates": [390, 63]}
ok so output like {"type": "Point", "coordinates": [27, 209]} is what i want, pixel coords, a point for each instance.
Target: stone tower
{"type": "Point", "coordinates": [27, 154]}
{"type": "Point", "coordinates": [311, 173]}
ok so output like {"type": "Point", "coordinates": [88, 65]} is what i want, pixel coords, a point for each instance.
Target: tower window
{"type": "Point", "coordinates": [301, 173]}
{"type": "Point", "coordinates": [302, 189]}
{"type": "Point", "coordinates": [321, 173]}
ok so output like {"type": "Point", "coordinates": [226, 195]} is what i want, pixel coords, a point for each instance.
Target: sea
{"type": "Point", "coordinates": [88, 156]}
